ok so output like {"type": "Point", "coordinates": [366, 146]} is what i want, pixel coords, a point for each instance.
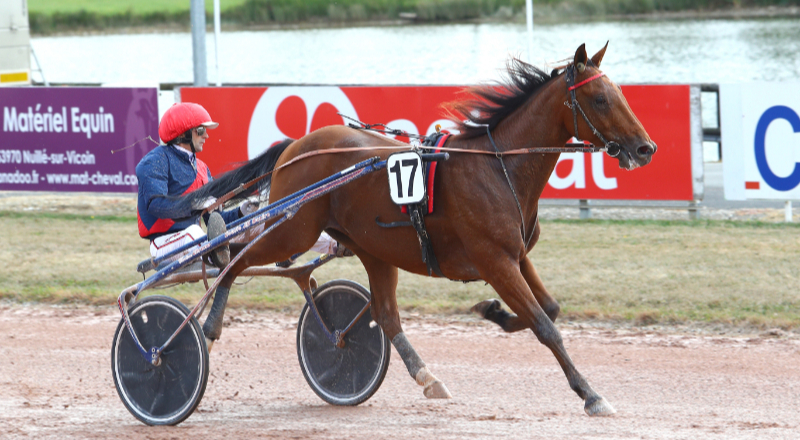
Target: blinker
{"type": "Point", "coordinates": [581, 67]}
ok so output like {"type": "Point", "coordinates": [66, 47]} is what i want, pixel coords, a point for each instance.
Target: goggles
{"type": "Point", "coordinates": [201, 130]}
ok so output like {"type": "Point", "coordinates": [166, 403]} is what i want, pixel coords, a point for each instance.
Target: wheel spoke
{"type": "Point", "coordinates": [355, 381]}
{"type": "Point", "coordinates": [159, 393]}
{"type": "Point", "coordinates": [139, 376]}
{"type": "Point", "coordinates": [327, 374]}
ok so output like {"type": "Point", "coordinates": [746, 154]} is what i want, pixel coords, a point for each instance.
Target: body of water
{"type": "Point", "coordinates": [686, 51]}
{"type": "Point", "coordinates": [640, 52]}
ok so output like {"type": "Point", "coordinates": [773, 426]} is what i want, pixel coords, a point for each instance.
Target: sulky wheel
{"type": "Point", "coordinates": [168, 393]}
{"type": "Point", "coordinates": [349, 375]}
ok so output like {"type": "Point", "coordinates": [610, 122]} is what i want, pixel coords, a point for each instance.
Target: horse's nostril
{"type": "Point", "coordinates": [645, 150]}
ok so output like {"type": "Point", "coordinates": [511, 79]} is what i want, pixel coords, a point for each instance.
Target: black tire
{"type": "Point", "coordinates": [168, 393]}
{"type": "Point", "coordinates": [352, 374]}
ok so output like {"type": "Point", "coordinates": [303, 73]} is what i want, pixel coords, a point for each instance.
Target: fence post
{"type": "Point", "coordinates": [696, 124]}
{"type": "Point", "coordinates": [586, 212]}
{"type": "Point", "coordinates": [694, 213]}
{"type": "Point", "coordinates": [787, 214]}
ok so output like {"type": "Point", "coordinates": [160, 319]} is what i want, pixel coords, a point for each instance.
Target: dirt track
{"type": "Point", "coordinates": [55, 382]}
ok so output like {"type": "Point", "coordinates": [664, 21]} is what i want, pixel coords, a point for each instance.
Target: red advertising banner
{"type": "Point", "coordinates": [253, 119]}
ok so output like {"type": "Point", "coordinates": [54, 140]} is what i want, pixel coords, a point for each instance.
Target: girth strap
{"type": "Point", "coordinates": [416, 213]}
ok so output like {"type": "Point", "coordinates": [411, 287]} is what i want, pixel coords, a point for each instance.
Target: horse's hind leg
{"type": "Point", "coordinates": [383, 284]}
{"type": "Point", "coordinates": [512, 287]}
{"type": "Point", "coordinates": [509, 322]}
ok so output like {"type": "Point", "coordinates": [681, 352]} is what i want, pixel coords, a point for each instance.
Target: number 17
{"type": "Point", "coordinates": [396, 171]}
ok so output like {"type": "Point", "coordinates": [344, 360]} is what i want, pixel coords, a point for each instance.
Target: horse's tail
{"type": "Point", "coordinates": [232, 179]}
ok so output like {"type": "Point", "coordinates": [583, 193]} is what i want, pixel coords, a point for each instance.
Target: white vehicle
{"type": "Point", "coordinates": [15, 46]}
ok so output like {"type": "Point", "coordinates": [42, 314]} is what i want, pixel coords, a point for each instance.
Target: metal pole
{"type": "Point", "coordinates": [39, 67]}
{"type": "Point", "coordinates": [787, 214]}
{"type": "Point", "coordinates": [694, 214]}
{"type": "Point", "coordinates": [216, 40]}
{"type": "Point", "coordinates": [197, 13]}
{"type": "Point", "coordinates": [586, 212]}
{"type": "Point", "coordinates": [529, 15]}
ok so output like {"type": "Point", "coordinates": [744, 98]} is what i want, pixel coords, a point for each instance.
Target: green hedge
{"type": "Point", "coordinates": [42, 23]}
{"type": "Point", "coordinates": [257, 12]}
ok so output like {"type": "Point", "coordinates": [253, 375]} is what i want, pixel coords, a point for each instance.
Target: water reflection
{"type": "Point", "coordinates": [690, 51]}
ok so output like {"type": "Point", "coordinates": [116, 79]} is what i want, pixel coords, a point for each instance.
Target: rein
{"type": "Point", "coordinates": [573, 147]}
{"type": "Point", "coordinates": [611, 148]}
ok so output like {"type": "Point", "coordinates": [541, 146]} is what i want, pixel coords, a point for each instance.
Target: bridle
{"type": "Point", "coordinates": [612, 148]}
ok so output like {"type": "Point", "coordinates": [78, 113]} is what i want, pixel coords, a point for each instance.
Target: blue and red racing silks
{"type": "Point", "coordinates": [165, 171]}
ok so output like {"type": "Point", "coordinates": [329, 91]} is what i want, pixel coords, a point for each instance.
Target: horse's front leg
{"type": "Point", "coordinates": [383, 285]}
{"type": "Point", "coordinates": [505, 277]}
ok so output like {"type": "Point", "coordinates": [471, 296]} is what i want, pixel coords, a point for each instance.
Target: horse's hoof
{"type": "Point", "coordinates": [599, 407]}
{"type": "Point", "coordinates": [437, 390]}
{"type": "Point", "coordinates": [485, 307]}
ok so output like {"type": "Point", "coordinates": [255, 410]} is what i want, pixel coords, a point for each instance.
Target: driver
{"type": "Point", "coordinates": [173, 169]}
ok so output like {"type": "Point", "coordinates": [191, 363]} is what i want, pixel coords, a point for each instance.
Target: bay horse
{"type": "Point", "coordinates": [477, 227]}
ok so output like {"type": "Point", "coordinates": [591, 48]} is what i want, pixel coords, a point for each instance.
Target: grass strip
{"type": "Point", "coordinates": [67, 216]}
{"type": "Point", "coordinates": [643, 272]}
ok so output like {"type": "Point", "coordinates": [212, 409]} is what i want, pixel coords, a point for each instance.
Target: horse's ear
{"type": "Point", "coordinates": [599, 55]}
{"type": "Point", "coordinates": [580, 58]}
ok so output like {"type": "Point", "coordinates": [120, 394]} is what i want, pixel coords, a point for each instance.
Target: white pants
{"type": "Point", "coordinates": [167, 243]}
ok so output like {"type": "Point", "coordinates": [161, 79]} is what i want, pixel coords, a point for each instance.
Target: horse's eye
{"type": "Point", "coordinates": [600, 100]}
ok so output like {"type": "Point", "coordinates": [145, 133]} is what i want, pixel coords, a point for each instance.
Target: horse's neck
{"type": "Point", "coordinates": [539, 123]}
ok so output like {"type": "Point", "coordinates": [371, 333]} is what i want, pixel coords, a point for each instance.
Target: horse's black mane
{"type": "Point", "coordinates": [232, 179]}
{"type": "Point", "coordinates": [498, 99]}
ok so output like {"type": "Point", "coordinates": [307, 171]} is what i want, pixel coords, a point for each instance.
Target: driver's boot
{"type": "Point", "coordinates": [221, 256]}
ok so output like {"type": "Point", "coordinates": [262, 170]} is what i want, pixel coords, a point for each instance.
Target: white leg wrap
{"type": "Point", "coordinates": [600, 407]}
{"type": "Point", "coordinates": [434, 388]}
{"type": "Point", "coordinates": [209, 344]}
{"type": "Point", "coordinates": [325, 244]}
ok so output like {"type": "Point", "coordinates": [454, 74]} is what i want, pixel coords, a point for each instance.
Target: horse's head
{"type": "Point", "coordinates": [599, 112]}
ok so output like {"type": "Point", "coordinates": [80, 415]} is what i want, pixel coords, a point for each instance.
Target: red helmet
{"type": "Point", "coordinates": [182, 117]}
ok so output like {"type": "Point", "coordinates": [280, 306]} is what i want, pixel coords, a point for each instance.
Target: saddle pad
{"type": "Point", "coordinates": [430, 174]}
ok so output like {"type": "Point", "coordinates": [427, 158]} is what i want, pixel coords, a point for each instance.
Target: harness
{"type": "Point", "coordinates": [611, 148]}
{"type": "Point", "coordinates": [417, 211]}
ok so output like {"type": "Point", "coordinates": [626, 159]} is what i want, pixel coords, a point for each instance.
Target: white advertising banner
{"type": "Point", "coordinates": [761, 140]}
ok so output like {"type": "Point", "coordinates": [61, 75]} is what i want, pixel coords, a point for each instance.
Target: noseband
{"type": "Point", "coordinates": [611, 148]}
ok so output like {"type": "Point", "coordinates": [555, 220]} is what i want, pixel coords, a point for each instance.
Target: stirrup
{"type": "Point", "coordinates": [220, 256]}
